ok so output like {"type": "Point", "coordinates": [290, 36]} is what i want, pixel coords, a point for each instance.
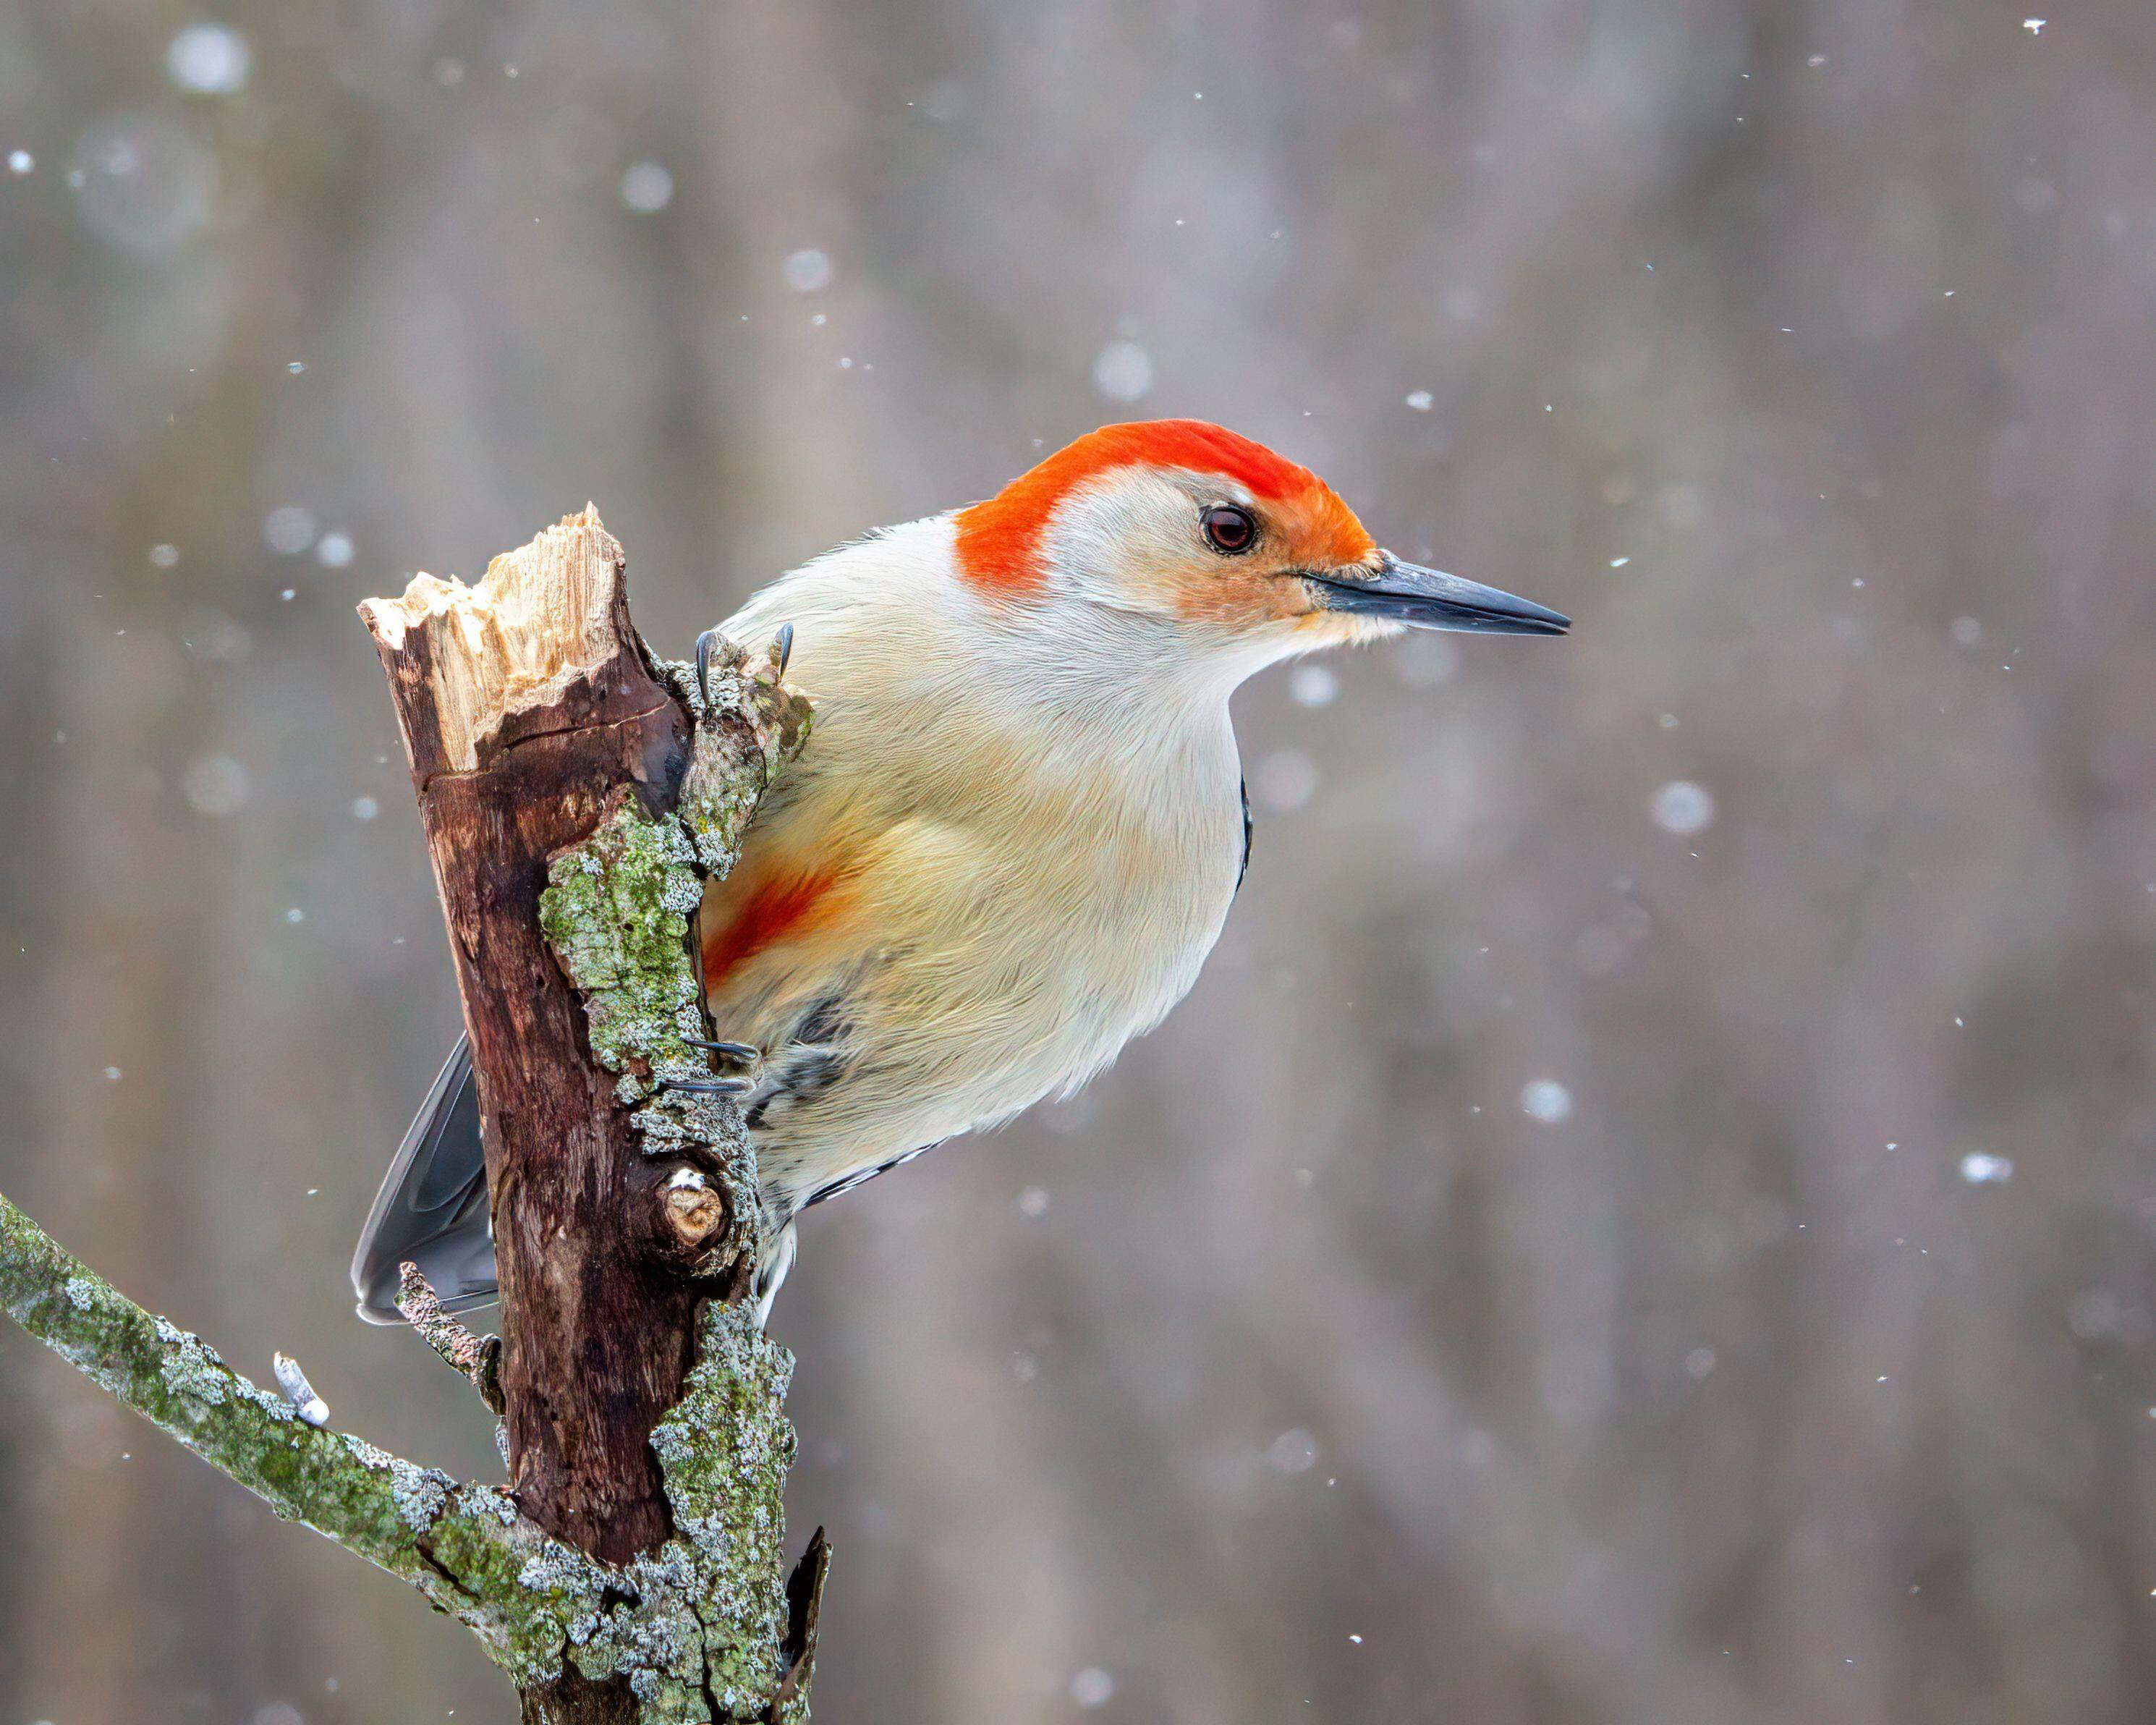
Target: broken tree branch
{"type": "Point", "coordinates": [575, 794]}
{"type": "Point", "coordinates": [531, 713]}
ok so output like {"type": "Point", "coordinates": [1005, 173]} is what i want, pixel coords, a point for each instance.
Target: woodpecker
{"type": "Point", "coordinates": [1019, 824]}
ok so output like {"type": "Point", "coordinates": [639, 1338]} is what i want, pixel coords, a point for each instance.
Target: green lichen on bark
{"type": "Point", "coordinates": [616, 912]}
{"type": "Point", "coordinates": [724, 1452]}
{"type": "Point", "coordinates": [464, 1547]}
{"type": "Point", "coordinates": [697, 1628]}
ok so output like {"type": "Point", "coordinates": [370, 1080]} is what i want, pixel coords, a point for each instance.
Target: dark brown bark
{"type": "Point", "coordinates": [574, 1699]}
{"type": "Point", "coordinates": [596, 1337]}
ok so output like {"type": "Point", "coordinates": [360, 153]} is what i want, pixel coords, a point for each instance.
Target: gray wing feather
{"type": "Point", "coordinates": [432, 1209]}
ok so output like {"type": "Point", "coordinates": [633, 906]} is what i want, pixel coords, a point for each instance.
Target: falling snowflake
{"type": "Point", "coordinates": [1314, 686]}
{"type": "Point", "coordinates": [289, 529]}
{"type": "Point", "coordinates": [1682, 807]}
{"type": "Point", "coordinates": [1293, 1451]}
{"type": "Point", "coordinates": [1123, 370]}
{"type": "Point", "coordinates": [646, 187]}
{"type": "Point", "coordinates": [1285, 780]}
{"type": "Point", "coordinates": [807, 272]}
{"type": "Point", "coordinates": [215, 784]}
{"type": "Point", "coordinates": [1980, 1168]}
{"type": "Point", "coordinates": [209, 59]}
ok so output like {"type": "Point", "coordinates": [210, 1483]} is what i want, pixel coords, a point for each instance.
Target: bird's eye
{"type": "Point", "coordinates": [1228, 529]}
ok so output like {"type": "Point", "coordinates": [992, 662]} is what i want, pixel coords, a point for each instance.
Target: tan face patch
{"type": "Point", "coordinates": [1308, 531]}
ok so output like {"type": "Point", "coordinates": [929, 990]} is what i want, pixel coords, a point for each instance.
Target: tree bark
{"type": "Point", "coordinates": [528, 706]}
{"type": "Point", "coordinates": [546, 753]}
{"type": "Point", "coordinates": [576, 793]}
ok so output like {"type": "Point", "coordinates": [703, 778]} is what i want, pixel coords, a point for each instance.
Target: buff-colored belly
{"type": "Point", "coordinates": [936, 973]}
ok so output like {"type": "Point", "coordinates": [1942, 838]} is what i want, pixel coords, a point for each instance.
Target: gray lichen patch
{"type": "Point", "coordinates": [700, 1623]}
{"type": "Point", "coordinates": [190, 1366]}
{"type": "Point", "coordinates": [421, 1493]}
{"type": "Point", "coordinates": [753, 726]}
{"type": "Point", "coordinates": [723, 1452]}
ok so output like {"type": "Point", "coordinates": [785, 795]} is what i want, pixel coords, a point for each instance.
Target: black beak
{"type": "Point", "coordinates": [1429, 598]}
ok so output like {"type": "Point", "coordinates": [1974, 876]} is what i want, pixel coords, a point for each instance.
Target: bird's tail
{"type": "Point", "coordinates": [432, 1210]}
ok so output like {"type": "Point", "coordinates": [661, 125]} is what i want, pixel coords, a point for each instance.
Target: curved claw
{"type": "Point", "coordinates": [707, 1086]}
{"type": "Point", "coordinates": [781, 648]}
{"type": "Point", "coordinates": [704, 665]}
{"type": "Point", "coordinates": [731, 1050]}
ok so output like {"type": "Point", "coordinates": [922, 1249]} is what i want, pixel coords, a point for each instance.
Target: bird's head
{"type": "Point", "coordinates": [1233, 548]}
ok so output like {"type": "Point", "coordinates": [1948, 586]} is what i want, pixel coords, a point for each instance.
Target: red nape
{"type": "Point", "coordinates": [771, 911]}
{"type": "Point", "coordinates": [1000, 541]}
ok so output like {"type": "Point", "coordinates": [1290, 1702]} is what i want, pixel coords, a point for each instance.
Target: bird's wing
{"type": "Point", "coordinates": [432, 1209]}
{"type": "Point", "coordinates": [1243, 866]}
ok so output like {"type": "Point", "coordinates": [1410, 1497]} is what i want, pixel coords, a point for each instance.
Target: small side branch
{"type": "Point", "coordinates": [464, 1547]}
{"type": "Point", "coordinates": [476, 1358]}
{"type": "Point", "coordinates": [705, 1628]}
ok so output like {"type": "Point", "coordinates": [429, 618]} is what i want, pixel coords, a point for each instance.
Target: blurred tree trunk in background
{"type": "Point", "coordinates": [1688, 320]}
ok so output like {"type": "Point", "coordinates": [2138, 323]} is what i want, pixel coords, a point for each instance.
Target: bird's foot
{"type": "Point", "coordinates": [705, 642]}
{"type": "Point", "coordinates": [705, 1086]}
{"type": "Point", "coordinates": [741, 1054]}
{"type": "Point", "coordinates": [745, 1052]}
{"type": "Point", "coordinates": [782, 649]}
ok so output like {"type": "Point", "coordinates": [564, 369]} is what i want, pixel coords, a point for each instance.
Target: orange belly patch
{"type": "Point", "coordinates": [773, 911]}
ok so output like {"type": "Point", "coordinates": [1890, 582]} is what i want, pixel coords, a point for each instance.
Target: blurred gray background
{"type": "Point", "coordinates": [1649, 1216]}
